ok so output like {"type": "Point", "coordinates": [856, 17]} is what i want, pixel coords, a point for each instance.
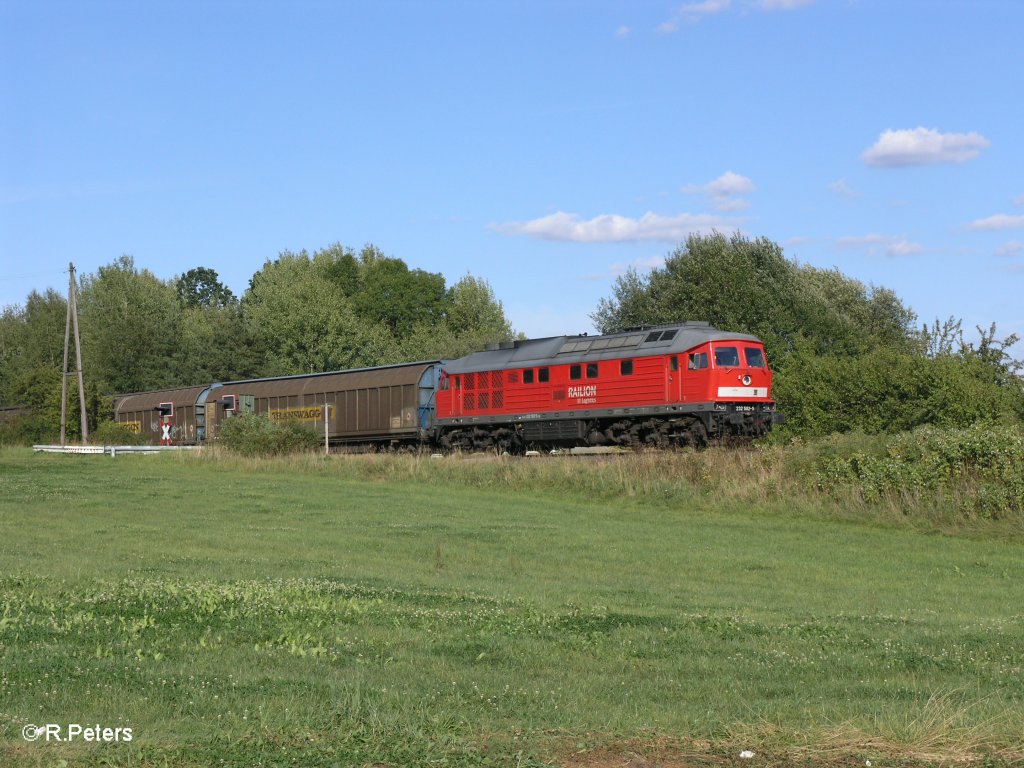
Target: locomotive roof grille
{"type": "Point", "coordinates": [601, 342]}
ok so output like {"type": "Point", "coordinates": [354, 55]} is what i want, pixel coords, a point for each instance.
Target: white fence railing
{"type": "Point", "coordinates": [112, 450]}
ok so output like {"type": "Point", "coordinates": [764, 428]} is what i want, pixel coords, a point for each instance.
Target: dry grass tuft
{"type": "Point", "coordinates": [943, 732]}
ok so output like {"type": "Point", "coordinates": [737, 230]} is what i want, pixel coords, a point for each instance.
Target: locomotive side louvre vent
{"type": "Point", "coordinates": [498, 399]}
{"type": "Point", "coordinates": [496, 380]}
{"type": "Point", "coordinates": [558, 395]}
{"type": "Point", "coordinates": [469, 381]}
{"type": "Point", "coordinates": [483, 400]}
{"type": "Point", "coordinates": [469, 401]}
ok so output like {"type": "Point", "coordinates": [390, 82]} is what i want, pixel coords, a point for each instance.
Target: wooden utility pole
{"type": "Point", "coordinates": [72, 321]}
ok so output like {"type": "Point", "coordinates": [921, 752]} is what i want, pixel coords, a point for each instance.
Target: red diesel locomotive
{"type": "Point", "coordinates": [661, 386]}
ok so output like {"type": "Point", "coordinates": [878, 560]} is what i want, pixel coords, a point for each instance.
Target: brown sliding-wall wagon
{"type": "Point", "coordinates": [385, 406]}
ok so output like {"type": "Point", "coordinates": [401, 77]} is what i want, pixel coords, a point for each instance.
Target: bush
{"type": "Point", "coordinates": [887, 392]}
{"type": "Point", "coordinates": [28, 430]}
{"type": "Point", "coordinates": [981, 467]}
{"type": "Point", "coordinates": [112, 433]}
{"type": "Point", "coordinates": [253, 435]}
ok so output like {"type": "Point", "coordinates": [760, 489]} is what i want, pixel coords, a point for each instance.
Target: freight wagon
{"type": "Point", "coordinates": [387, 405]}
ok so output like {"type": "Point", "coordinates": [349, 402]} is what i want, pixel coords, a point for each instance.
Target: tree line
{"type": "Point", "coordinates": [335, 308]}
{"type": "Point", "coordinates": [847, 356]}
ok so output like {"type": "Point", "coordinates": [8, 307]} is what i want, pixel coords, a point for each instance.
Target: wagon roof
{"type": "Point", "coordinates": [147, 401]}
{"type": "Point", "coordinates": [638, 342]}
{"type": "Point", "coordinates": [307, 383]}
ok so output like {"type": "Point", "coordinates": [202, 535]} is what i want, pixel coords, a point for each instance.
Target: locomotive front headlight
{"type": "Point", "coordinates": [746, 380]}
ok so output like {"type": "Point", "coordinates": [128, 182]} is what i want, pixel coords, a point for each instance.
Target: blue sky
{"type": "Point", "coordinates": [545, 146]}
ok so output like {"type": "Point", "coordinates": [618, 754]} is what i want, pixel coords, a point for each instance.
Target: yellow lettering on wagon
{"type": "Point", "coordinates": [313, 413]}
{"type": "Point", "coordinates": [135, 427]}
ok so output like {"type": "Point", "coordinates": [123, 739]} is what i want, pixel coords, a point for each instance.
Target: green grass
{"type": "Point", "coordinates": [402, 611]}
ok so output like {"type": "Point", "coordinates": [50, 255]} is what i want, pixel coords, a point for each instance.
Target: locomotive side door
{"type": "Point", "coordinates": [451, 385]}
{"type": "Point", "coordinates": [693, 375]}
{"type": "Point", "coordinates": [673, 380]}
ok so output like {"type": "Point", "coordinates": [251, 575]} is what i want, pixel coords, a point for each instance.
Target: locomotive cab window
{"type": "Point", "coordinates": [528, 376]}
{"type": "Point", "coordinates": [575, 372]}
{"type": "Point", "coordinates": [444, 384]}
{"type": "Point", "coordinates": [755, 357]}
{"type": "Point", "coordinates": [542, 375]}
{"type": "Point", "coordinates": [673, 363]}
{"type": "Point", "coordinates": [458, 382]}
{"type": "Point", "coordinates": [626, 367]}
{"type": "Point", "coordinates": [697, 361]}
{"type": "Point", "coordinates": [726, 357]}
{"type": "Point", "coordinates": [591, 370]}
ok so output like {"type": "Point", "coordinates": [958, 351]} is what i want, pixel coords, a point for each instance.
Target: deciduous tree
{"type": "Point", "coordinates": [130, 322]}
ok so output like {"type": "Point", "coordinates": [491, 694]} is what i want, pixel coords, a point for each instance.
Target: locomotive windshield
{"type": "Point", "coordinates": [727, 357]}
{"type": "Point", "coordinates": [755, 357]}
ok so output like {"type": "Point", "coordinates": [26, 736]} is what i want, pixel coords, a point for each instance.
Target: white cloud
{"type": "Point", "coordinates": [618, 269]}
{"type": "Point", "coordinates": [691, 13]}
{"type": "Point", "coordinates": [861, 241]}
{"type": "Point", "coordinates": [902, 247]}
{"type": "Point", "coordinates": [923, 146]}
{"type": "Point", "coordinates": [1011, 249]}
{"type": "Point", "coordinates": [707, 6]}
{"type": "Point", "coordinates": [612, 228]}
{"type": "Point", "coordinates": [841, 188]}
{"type": "Point", "coordinates": [889, 245]}
{"type": "Point", "coordinates": [1018, 200]}
{"type": "Point", "coordinates": [622, 31]}
{"type": "Point", "coordinates": [999, 221]}
{"type": "Point", "coordinates": [724, 192]}
{"type": "Point", "coordinates": [783, 5]}
{"type": "Point", "coordinates": [730, 183]}
{"type": "Point", "coordinates": [730, 204]}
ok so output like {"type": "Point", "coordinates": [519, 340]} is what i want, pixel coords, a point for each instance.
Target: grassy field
{"type": "Point", "coordinates": [402, 611]}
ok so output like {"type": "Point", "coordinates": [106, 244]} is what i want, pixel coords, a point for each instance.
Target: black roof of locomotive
{"type": "Point", "coordinates": [637, 342]}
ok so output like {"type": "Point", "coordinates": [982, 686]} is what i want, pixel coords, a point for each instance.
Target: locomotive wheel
{"type": "Point", "coordinates": [697, 435]}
